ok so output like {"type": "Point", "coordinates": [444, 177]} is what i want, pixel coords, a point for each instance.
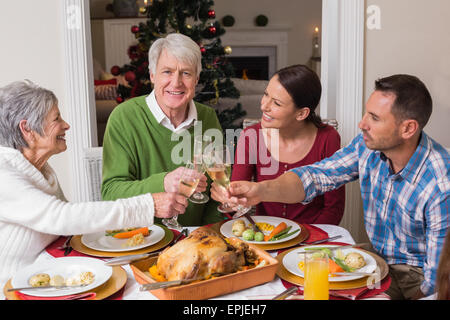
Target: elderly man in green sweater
{"type": "Point", "coordinates": [142, 132]}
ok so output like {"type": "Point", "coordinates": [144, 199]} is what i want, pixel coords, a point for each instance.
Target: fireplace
{"type": "Point", "coordinates": [257, 63]}
{"type": "Point", "coordinates": [258, 51]}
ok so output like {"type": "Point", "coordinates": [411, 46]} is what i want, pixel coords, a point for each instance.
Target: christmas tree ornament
{"type": "Point", "coordinates": [212, 30]}
{"type": "Point", "coordinates": [227, 50]}
{"type": "Point", "coordinates": [202, 50]}
{"type": "Point", "coordinates": [211, 14]}
{"type": "Point", "coordinates": [119, 99]}
{"type": "Point", "coordinates": [130, 76]}
{"type": "Point", "coordinates": [115, 70]}
{"type": "Point", "coordinates": [134, 29]}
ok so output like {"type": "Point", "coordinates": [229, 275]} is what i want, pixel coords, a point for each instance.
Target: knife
{"type": "Point", "coordinates": [252, 222]}
{"type": "Point", "coordinates": [47, 287]}
{"type": "Point", "coordinates": [354, 273]}
{"type": "Point", "coordinates": [324, 240]}
{"type": "Point", "coordinates": [339, 247]}
{"type": "Point", "coordinates": [286, 293]}
{"type": "Point", "coordinates": [166, 284]}
{"type": "Point", "coordinates": [119, 261]}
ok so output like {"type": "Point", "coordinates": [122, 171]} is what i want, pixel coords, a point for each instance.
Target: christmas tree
{"type": "Point", "coordinates": [194, 18]}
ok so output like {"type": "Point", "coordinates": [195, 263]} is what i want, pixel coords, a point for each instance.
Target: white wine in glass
{"type": "Point", "coordinates": [187, 186]}
{"type": "Point", "coordinates": [198, 197]}
{"type": "Point", "coordinates": [218, 167]}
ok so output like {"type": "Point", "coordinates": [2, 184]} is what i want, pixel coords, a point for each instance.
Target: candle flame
{"type": "Point", "coordinates": [316, 29]}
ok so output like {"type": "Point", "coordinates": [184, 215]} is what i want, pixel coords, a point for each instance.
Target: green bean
{"type": "Point", "coordinates": [281, 233]}
{"type": "Point", "coordinates": [287, 234]}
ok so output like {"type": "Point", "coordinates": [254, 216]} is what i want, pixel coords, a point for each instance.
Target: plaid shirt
{"type": "Point", "coordinates": [406, 214]}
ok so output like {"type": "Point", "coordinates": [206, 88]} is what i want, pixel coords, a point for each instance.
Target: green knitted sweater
{"type": "Point", "coordinates": [137, 156]}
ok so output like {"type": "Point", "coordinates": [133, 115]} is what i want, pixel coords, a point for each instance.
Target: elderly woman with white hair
{"type": "Point", "coordinates": [142, 133]}
{"type": "Point", "coordinates": [33, 209]}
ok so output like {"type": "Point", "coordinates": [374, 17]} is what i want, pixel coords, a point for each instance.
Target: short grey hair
{"type": "Point", "coordinates": [23, 100]}
{"type": "Point", "coordinates": [180, 46]}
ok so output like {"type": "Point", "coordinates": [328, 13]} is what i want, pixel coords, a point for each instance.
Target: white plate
{"type": "Point", "coordinates": [98, 241]}
{"type": "Point", "coordinates": [291, 260]}
{"type": "Point", "coordinates": [226, 228]}
{"type": "Point", "coordinates": [65, 267]}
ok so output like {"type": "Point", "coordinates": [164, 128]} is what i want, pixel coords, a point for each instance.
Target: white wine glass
{"type": "Point", "coordinates": [198, 197]}
{"type": "Point", "coordinates": [218, 166]}
{"type": "Point", "coordinates": [188, 183]}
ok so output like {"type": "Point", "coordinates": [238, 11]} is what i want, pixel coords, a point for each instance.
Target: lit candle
{"type": "Point", "coordinates": [145, 2]}
{"type": "Point", "coordinates": [316, 45]}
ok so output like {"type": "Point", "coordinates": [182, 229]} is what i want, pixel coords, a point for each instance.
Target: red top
{"type": "Point", "coordinates": [258, 163]}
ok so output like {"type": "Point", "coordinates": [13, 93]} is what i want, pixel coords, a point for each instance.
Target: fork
{"type": "Point", "coordinates": [68, 248]}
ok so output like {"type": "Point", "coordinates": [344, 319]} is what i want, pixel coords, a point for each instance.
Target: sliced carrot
{"type": "Point", "coordinates": [128, 234]}
{"type": "Point", "coordinates": [334, 267]}
{"type": "Point", "coordinates": [153, 270]}
{"type": "Point", "coordinates": [276, 231]}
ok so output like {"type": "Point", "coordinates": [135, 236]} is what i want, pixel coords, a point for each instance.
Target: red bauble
{"type": "Point", "coordinates": [130, 76]}
{"type": "Point", "coordinates": [119, 99]}
{"type": "Point", "coordinates": [211, 14]}
{"type": "Point", "coordinates": [134, 29]}
{"type": "Point", "coordinates": [115, 70]}
{"type": "Point", "coordinates": [212, 30]}
{"type": "Point", "coordinates": [203, 50]}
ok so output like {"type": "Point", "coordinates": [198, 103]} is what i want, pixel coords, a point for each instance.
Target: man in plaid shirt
{"type": "Point", "coordinates": [404, 179]}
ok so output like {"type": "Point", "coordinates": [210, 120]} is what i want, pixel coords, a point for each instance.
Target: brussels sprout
{"type": "Point", "coordinates": [248, 234]}
{"type": "Point", "coordinates": [259, 236]}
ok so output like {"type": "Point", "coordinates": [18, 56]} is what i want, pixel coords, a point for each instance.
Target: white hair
{"type": "Point", "coordinates": [180, 46]}
{"type": "Point", "coordinates": [23, 100]}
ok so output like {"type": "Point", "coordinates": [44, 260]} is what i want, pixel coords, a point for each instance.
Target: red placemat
{"type": "Point", "coordinates": [315, 233]}
{"type": "Point", "coordinates": [350, 294]}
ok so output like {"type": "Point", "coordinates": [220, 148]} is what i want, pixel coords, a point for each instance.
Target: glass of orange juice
{"type": "Point", "coordinates": [316, 276]}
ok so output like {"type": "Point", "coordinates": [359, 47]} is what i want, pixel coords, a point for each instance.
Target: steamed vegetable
{"type": "Point", "coordinates": [128, 234]}
{"type": "Point", "coordinates": [248, 234]}
{"type": "Point", "coordinates": [276, 231]}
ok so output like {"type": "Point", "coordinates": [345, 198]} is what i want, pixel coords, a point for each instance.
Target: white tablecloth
{"type": "Point", "coordinates": [274, 287]}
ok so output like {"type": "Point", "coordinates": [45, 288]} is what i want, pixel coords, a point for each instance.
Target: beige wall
{"type": "Point", "coordinates": [414, 39]}
{"type": "Point", "coordinates": [300, 15]}
{"type": "Point", "coordinates": [32, 48]}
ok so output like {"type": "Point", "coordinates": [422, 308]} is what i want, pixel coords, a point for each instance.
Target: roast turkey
{"type": "Point", "coordinates": [203, 254]}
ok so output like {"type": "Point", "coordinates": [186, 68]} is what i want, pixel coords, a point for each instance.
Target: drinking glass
{"type": "Point", "coordinates": [187, 186]}
{"type": "Point", "coordinates": [316, 273]}
{"type": "Point", "coordinates": [218, 166]}
{"type": "Point", "coordinates": [198, 197]}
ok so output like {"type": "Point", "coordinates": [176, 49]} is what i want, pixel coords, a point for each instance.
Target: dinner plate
{"type": "Point", "coordinates": [291, 260]}
{"type": "Point", "coordinates": [226, 228]}
{"type": "Point", "coordinates": [66, 267]}
{"type": "Point", "coordinates": [100, 242]}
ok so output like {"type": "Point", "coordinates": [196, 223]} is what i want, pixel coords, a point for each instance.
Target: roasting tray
{"type": "Point", "coordinates": [213, 287]}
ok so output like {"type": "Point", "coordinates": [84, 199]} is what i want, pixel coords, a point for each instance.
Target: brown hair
{"type": "Point", "coordinates": [303, 85]}
{"type": "Point", "coordinates": [412, 99]}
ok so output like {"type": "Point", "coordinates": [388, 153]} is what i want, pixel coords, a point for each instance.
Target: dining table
{"type": "Point", "coordinates": [266, 291]}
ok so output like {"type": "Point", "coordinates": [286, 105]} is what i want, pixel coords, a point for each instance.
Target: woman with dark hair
{"type": "Point", "coordinates": [289, 135]}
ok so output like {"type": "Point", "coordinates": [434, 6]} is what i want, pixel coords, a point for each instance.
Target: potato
{"type": "Point", "coordinates": [57, 281]}
{"type": "Point", "coordinates": [238, 228]}
{"type": "Point", "coordinates": [355, 260]}
{"type": "Point", "coordinates": [39, 280]}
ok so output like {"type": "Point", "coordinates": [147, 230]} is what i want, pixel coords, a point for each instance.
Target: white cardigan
{"type": "Point", "coordinates": [34, 212]}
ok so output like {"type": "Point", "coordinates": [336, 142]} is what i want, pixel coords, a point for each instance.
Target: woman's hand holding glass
{"type": "Point", "coordinates": [218, 166]}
